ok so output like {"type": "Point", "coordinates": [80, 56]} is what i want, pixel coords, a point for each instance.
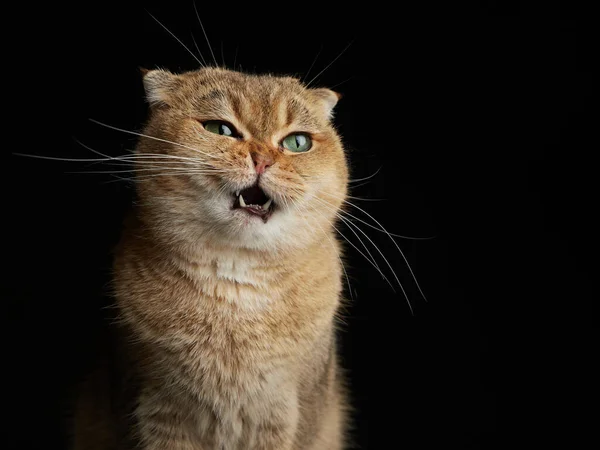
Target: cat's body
{"type": "Point", "coordinates": [227, 316]}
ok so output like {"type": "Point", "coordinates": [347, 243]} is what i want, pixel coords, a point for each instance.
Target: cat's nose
{"type": "Point", "coordinates": [261, 162]}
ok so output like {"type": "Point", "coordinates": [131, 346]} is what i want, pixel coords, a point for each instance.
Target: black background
{"type": "Point", "coordinates": [478, 115]}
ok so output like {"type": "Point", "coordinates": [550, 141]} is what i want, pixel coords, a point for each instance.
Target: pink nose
{"type": "Point", "coordinates": [261, 163]}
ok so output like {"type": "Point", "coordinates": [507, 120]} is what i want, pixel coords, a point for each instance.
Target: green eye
{"type": "Point", "coordinates": [219, 127]}
{"type": "Point", "coordinates": [297, 143]}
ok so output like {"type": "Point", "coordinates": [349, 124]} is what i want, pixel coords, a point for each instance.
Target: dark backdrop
{"type": "Point", "coordinates": [477, 117]}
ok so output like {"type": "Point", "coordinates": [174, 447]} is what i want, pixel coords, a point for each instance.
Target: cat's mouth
{"type": "Point", "coordinates": [255, 202]}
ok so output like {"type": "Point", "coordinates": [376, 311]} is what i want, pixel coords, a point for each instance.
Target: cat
{"type": "Point", "coordinates": [228, 276]}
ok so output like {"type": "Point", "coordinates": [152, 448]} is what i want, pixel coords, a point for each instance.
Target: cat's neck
{"type": "Point", "coordinates": [250, 279]}
{"type": "Point", "coordinates": [225, 260]}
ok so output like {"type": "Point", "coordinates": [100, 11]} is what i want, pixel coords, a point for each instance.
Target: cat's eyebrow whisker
{"type": "Point", "coordinates": [312, 64]}
{"type": "Point", "coordinates": [199, 52]}
{"type": "Point", "coordinates": [178, 40]}
{"type": "Point", "coordinates": [235, 56]}
{"type": "Point", "coordinates": [205, 35]}
{"type": "Point", "coordinates": [223, 56]}
{"type": "Point", "coordinates": [122, 130]}
{"type": "Point", "coordinates": [329, 65]}
{"type": "Point", "coordinates": [392, 239]}
{"type": "Point", "coordinates": [340, 83]}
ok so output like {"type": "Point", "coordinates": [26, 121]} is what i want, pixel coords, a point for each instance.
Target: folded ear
{"type": "Point", "coordinates": [159, 85]}
{"type": "Point", "coordinates": [327, 99]}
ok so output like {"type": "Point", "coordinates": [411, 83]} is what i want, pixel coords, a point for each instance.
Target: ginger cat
{"type": "Point", "coordinates": [228, 276]}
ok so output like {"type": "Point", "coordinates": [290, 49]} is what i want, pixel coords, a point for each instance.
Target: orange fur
{"type": "Point", "coordinates": [227, 321]}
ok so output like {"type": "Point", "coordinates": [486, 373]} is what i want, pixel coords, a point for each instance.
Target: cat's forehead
{"type": "Point", "coordinates": [229, 80]}
{"type": "Point", "coordinates": [261, 101]}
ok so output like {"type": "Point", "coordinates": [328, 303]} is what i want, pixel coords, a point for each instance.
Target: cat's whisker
{"type": "Point", "coordinates": [413, 238]}
{"type": "Point", "coordinates": [144, 158]}
{"type": "Point", "coordinates": [205, 35]}
{"type": "Point", "coordinates": [366, 178]}
{"type": "Point", "coordinates": [235, 56]}
{"type": "Point", "coordinates": [118, 178]}
{"type": "Point", "coordinates": [156, 164]}
{"type": "Point", "coordinates": [332, 244]}
{"type": "Point", "coordinates": [312, 64]}
{"type": "Point", "coordinates": [173, 170]}
{"type": "Point", "coordinates": [340, 83]}
{"type": "Point", "coordinates": [363, 199]}
{"type": "Point", "coordinates": [329, 65]}
{"type": "Point", "coordinates": [122, 130]}
{"type": "Point", "coordinates": [56, 158]}
{"type": "Point", "coordinates": [371, 260]}
{"type": "Point", "coordinates": [350, 225]}
{"type": "Point", "coordinates": [178, 40]}
{"type": "Point", "coordinates": [128, 161]}
{"type": "Point", "coordinates": [223, 56]}
{"type": "Point", "coordinates": [150, 177]}
{"type": "Point", "coordinates": [112, 161]}
{"type": "Point", "coordinates": [364, 183]}
{"type": "Point", "coordinates": [391, 238]}
{"type": "Point", "coordinates": [198, 49]}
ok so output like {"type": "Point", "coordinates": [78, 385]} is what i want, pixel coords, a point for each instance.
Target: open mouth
{"type": "Point", "coordinates": [255, 202]}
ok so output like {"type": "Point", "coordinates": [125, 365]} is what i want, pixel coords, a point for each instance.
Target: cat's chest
{"type": "Point", "coordinates": [230, 270]}
{"type": "Point", "coordinates": [250, 287]}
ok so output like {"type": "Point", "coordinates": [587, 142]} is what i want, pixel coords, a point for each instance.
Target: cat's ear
{"type": "Point", "coordinates": [159, 85]}
{"type": "Point", "coordinates": [327, 99]}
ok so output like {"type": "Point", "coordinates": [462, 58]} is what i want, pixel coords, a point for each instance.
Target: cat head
{"type": "Point", "coordinates": [249, 161]}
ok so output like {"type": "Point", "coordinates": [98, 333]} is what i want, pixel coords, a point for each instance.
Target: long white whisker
{"type": "Point", "coordinates": [340, 83]}
{"type": "Point", "coordinates": [364, 183]}
{"type": "Point", "coordinates": [372, 262]}
{"type": "Point", "coordinates": [328, 65]}
{"type": "Point", "coordinates": [178, 40]}
{"type": "Point", "coordinates": [313, 63]}
{"type": "Point", "coordinates": [205, 36]}
{"type": "Point", "coordinates": [150, 137]}
{"type": "Point", "coordinates": [395, 244]}
{"type": "Point", "coordinates": [365, 178]}
{"type": "Point", "coordinates": [126, 159]}
{"type": "Point", "coordinates": [147, 177]}
{"type": "Point", "coordinates": [198, 49]}
{"type": "Point", "coordinates": [174, 170]}
{"type": "Point", "coordinates": [363, 199]}
{"type": "Point", "coordinates": [142, 156]}
{"type": "Point", "coordinates": [235, 56]}
{"type": "Point", "coordinates": [350, 225]}
{"type": "Point", "coordinates": [412, 238]}
{"type": "Point", "coordinates": [332, 244]}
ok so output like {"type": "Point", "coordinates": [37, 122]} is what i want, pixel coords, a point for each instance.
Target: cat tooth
{"type": "Point", "coordinates": [266, 205]}
{"type": "Point", "coordinates": [242, 202]}
{"type": "Point", "coordinates": [237, 193]}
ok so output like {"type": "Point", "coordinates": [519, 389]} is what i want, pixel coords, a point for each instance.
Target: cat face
{"type": "Point", "coordinates": [243, 160]}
